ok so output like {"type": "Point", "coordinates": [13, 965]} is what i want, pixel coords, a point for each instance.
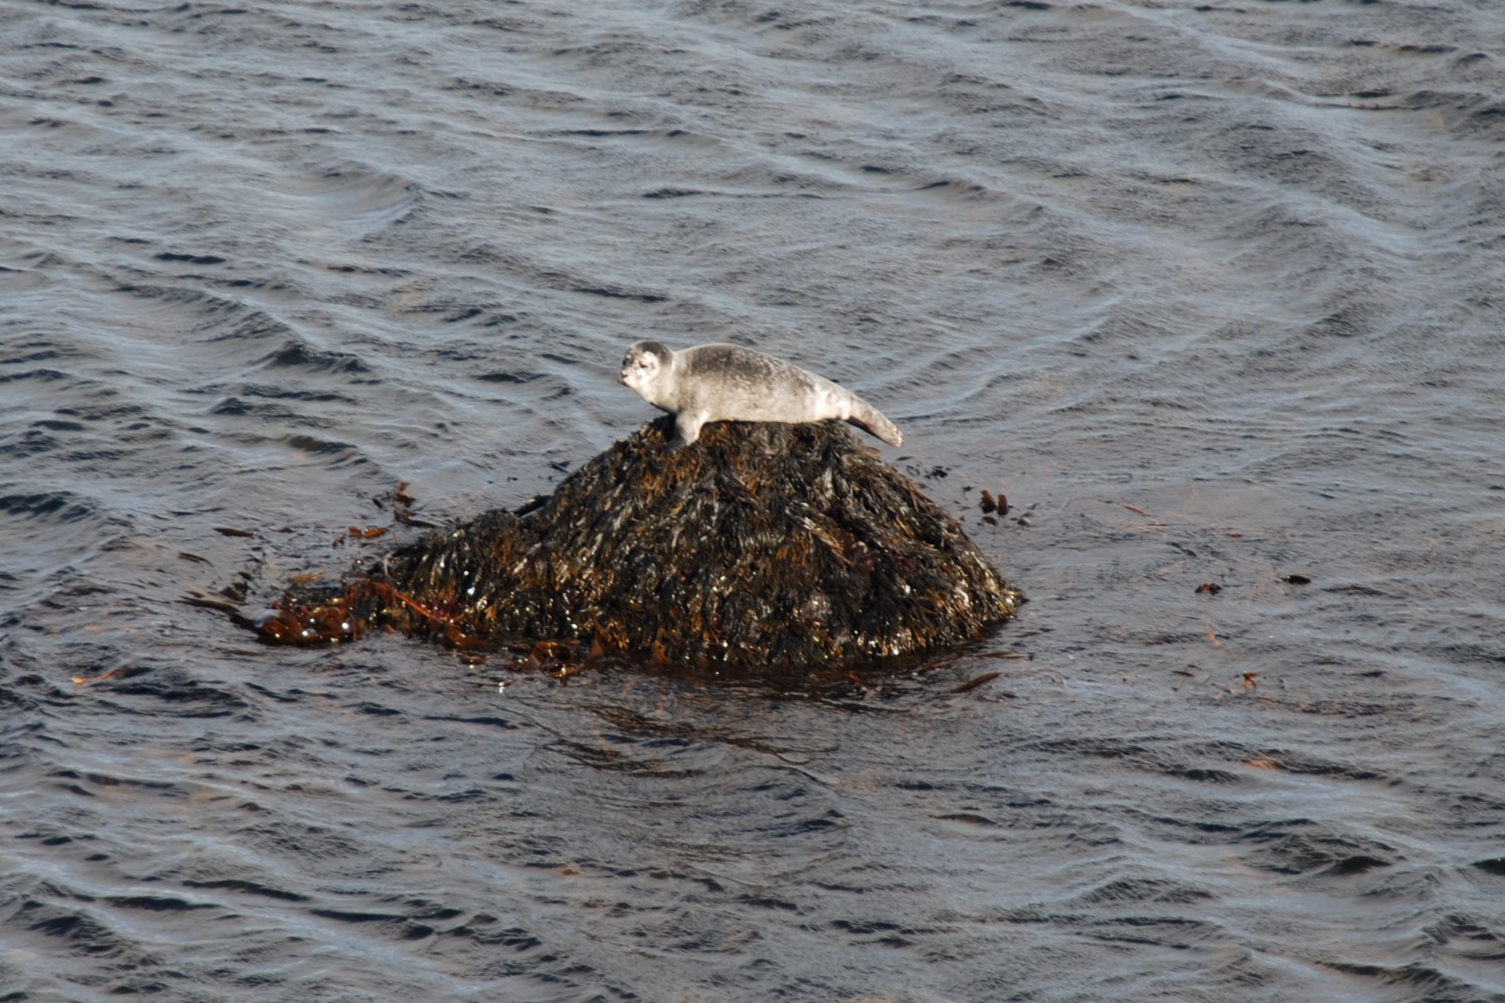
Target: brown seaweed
{"type": "Point", "coordinates": [762, 546]}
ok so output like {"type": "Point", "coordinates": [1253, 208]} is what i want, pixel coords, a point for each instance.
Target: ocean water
{"type": "Point", "coordinates": [1211, 291]}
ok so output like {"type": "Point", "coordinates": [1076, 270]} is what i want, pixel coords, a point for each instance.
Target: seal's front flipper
{"type": "Point", "coordinates": [686, 429]}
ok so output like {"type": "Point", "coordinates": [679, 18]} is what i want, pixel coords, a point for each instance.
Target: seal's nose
{"type": "Point", "coordinates": [622, 377]}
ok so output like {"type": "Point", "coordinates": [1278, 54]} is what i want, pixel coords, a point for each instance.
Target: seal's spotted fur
{"type": "Point", "coordinates": [732, 383]}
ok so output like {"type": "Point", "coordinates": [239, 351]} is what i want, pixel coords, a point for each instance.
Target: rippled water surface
{"type": "Point", "coordinates": [1211, 291]}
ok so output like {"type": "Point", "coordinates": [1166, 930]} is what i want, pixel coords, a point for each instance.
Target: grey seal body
{"type": "Point", "coordinates": [732, 383]}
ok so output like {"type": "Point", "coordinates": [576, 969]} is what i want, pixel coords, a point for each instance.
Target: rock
{"type": "Point", "coordinates": [762, 547]}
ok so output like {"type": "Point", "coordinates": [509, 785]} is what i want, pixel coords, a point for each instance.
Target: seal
{"type": "Point", "coordinates": [732, 383]}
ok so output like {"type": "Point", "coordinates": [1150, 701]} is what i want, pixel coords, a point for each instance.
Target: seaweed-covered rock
{"type": "Point", "coordinates": [762, 546]}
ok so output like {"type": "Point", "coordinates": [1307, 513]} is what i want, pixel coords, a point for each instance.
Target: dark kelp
{"type": "Point", "coordinates": [762, 546]}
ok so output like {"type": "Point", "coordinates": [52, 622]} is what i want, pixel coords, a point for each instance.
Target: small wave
{"type": "Point", "coordinates": [58, 506]}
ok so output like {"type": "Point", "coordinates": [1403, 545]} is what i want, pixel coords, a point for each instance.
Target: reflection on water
{"type": "Point", "coordinates": [1209, 292]}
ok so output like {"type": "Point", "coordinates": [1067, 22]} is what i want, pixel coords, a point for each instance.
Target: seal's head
{"type": "Point", "coordinates": [645, 364]}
